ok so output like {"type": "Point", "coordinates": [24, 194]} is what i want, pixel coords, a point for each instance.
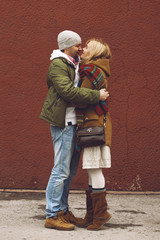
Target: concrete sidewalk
{"type": "Point", "coordinates": [134, 217]}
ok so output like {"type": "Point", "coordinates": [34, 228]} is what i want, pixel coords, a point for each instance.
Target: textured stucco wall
{"type": "Point", "coordinates": [29, 30]}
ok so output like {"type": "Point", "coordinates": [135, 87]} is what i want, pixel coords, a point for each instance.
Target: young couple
{"type": "Point", "coordinates": [77, 97]}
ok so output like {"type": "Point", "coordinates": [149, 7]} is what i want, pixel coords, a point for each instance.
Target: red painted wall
{"type": "Point", "coordinates": [29, 31]}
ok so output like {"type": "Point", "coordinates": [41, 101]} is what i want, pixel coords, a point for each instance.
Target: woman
{"type": "Point", "coordinates": [93, 73]}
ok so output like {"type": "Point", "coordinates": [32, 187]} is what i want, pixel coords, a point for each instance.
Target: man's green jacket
{"type": "Point", "coordinates": [61, 92]}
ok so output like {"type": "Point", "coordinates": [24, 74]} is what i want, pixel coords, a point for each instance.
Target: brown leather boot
{"type": "Point", "coordinates": [58, 222]}
{"type": "Point", "coordinates": [84, 222]}
{"type": "Point", "coordinates": [100, 216]}
{"type": "Point", "coordinates": [69, 217]}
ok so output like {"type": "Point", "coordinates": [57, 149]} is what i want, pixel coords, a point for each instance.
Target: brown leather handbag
{"type": "Point", "coordinates": [91, 136]}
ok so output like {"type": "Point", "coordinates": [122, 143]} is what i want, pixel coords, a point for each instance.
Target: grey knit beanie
{"type": "Point", "coordinates": [67, 39]}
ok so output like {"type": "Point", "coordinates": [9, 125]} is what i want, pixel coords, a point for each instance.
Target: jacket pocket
{"type": "Point", "coordinates": [54, 103]}
{"type": "Point", "coordinates": [92, 118]}
{"type": "Point", "coordinates": [90, 122]}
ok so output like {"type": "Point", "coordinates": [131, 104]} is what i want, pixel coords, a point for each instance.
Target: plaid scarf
{"type": "Point", "coordinates": [96, 77]}
{"type": "Point", "coordinates": [74, 60]}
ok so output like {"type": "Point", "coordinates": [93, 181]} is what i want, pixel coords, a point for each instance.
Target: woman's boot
{"type": "Point", "coordinates": [100, 215]}
{"type": "Point", "coordinates": [84, 222]}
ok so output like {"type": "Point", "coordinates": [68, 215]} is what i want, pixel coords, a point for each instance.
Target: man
{"type": "Point", "coordinates": [59, 111]}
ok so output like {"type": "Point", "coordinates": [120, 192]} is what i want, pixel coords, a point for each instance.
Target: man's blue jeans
{"type": "Point", "coordinates": [66, 160]}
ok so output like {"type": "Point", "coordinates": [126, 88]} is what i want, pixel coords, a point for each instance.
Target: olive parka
{"type": "Point", "coordinates": [61, 92]}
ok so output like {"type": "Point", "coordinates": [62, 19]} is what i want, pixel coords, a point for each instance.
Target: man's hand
{"type": "Point", "coordinates": [103, 94]}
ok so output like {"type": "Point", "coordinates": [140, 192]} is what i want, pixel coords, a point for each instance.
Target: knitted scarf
{"type": "Point", "coordinates": [96, 77]}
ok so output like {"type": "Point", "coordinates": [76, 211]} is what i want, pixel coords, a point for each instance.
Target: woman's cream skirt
{"type": "Point", "coordinates": [96, 157]}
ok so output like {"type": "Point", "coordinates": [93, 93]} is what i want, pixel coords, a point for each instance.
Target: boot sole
{"type": "Point", "coordinates": [84, 226]}
{"type": "Point", "coordinates": [101, 225]}
{"type": "Point", "coordinates": [58, 228]}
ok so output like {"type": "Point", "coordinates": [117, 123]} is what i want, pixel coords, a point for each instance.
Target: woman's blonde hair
{"type": "Point", "coordinates": [98, 49]}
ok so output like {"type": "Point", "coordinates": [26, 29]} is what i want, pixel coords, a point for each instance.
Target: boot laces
{"type": "Point", "coordinates": [61, 217]}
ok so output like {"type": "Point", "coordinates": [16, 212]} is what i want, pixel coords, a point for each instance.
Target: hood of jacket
{"type": "Point", "coordinates": [58, 53]}
{"type": "Point", "coordinates": [102, 63]}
